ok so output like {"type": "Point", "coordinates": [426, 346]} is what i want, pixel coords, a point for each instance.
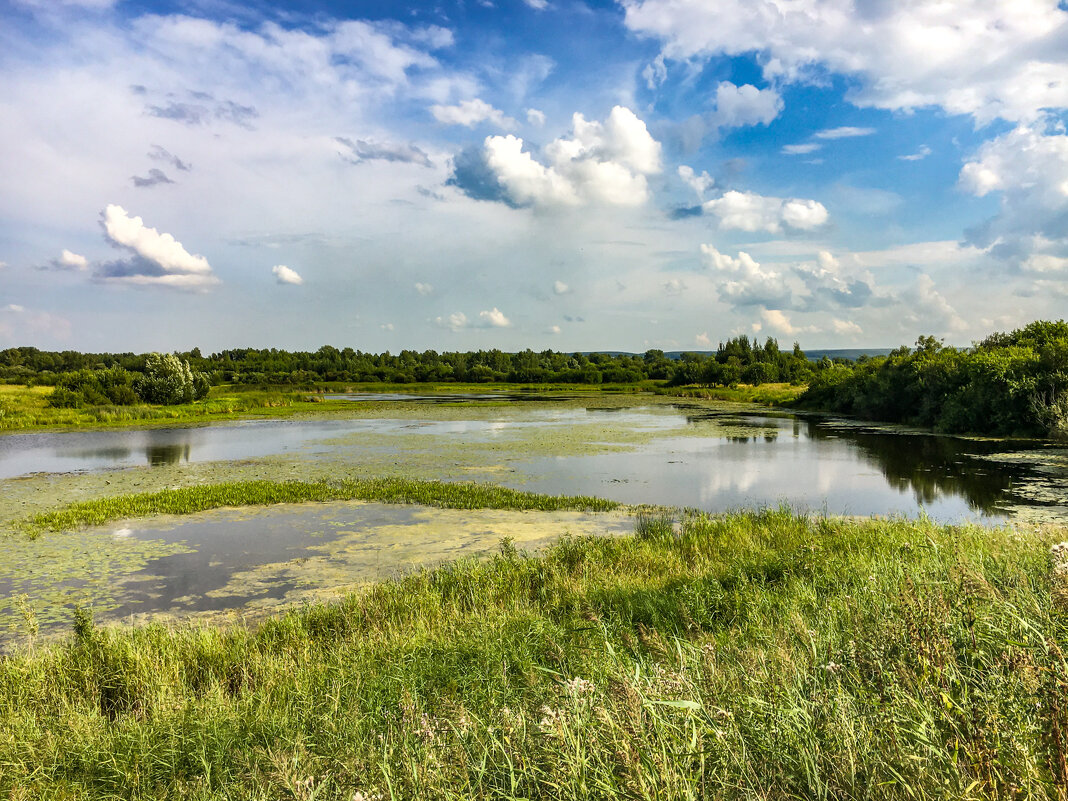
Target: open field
{"type": "Point", "coordinates": [755, 655]}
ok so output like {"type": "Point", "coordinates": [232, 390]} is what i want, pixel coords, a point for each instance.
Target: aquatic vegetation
{"type": "Point", "coordinates": [185, 500]}
{"type": "Point", "coordinates": [756, 655]}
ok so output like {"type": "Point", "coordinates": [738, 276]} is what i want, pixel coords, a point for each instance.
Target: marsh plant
{"type": "Point", "coordinates": [761, 655]}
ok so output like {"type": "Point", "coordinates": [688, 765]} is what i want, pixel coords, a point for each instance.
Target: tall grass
{"type": "Point", "coordinates": [751, 656]}
{"type": "Point", "coordinates": [186, 500]}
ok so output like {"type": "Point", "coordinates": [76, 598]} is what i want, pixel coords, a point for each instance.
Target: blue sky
{"type": "Point", "coordinates": [530, 173]}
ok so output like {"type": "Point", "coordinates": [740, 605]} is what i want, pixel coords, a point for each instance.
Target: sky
{"type": "Point", "coordinates": [545, 174]}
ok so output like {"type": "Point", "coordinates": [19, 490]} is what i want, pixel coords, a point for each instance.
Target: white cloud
{"type": "Point", "coordinates": [560, 288]}
{"type": "Point", "coordinates": [740, 106]}
{"type": "Point", "coordinates": [537, 5]}
{"type": "Point", "coordinates": [454, 322]}
{"type": "Point", "coordinates": [703, 340]}
{"type": "Point", "coordinates": [495, 318]}
{"type": "Point", "coordinates": [423, 289]}
{"type": "Point", "coordinates": [698, 183]}
{"type": "Point", "coordinates": [802, 149]}
{"type": "Point", "coordinates": [285, 275]}
{"type": "Point", "coordinates": [744, 282]}
{"type": "Point", "coordinates": [1045, 263]}
{"type": "Point", "coordinates": [655, 72]}
{"type": "Point", "coordinates": [470, 113]}
{"type": "Point", "coordinates": [601, 163]}
{"type": "Point", "coordinates": [780, 323]}
{"type": "Point", "coordinates": [919, 155]}
{"type": "Point", "coordinates": [748, 211]}
{"type": "Point", "coordinates": [553, 329]}
{"type": "Point", "coordinates": [1029, 167]}
{"type": "Point", "coordinates": [845, 132]}
{"type": "Point", "coordinates": [846, 328]}
{"type": "Point", "coordinates": [14, 308]}
{"type": "Point", "coordinates": [68, 261]}
{"type": "Point", "coordinates": [386, 326]}
{"type": "Point", "coordinates": [925, 309]}
{"type": "Point", "coordinates": [157, 260]}
{"type": "Point", "coordinates": [986, 58]}
{"type": "Point", "coordinates": [535, 117]}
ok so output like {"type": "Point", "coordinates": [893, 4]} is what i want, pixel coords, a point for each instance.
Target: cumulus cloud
{"type": "Point", "coordinates": [805, 286]}
{"type": "Point", "coordinates": [601, 163]}
{"type": "Point", "coordinates": [846, 328]}
{"type": "Point", "coordinates": [454, 322]}
{"type": "Point", "coordinates": [537, 5]}
{"type": "Point", "coordinates": [156, 259]}
{"type": "Point", "coordinates": [743, 282]}
{"type": "Point", "coordinates": [703, 340]}
{"type": "Point", "coordinates": [494, 318]}
{"type": "Point", "coordinates": [535, 117]}
{"type": "Point", "coordinates": [923, 307]}
{"type": "Point", "coordinates": [553, 329]}
{"type": "Point", "coordinates": [423, 289]}
{"type": "Point", "coordinates": [386, 326]}
{"type": "Point", "coordinates": [740, 106]}
{"type": "Point", "coordinates": [560, 288]}
{"type": "Point", "coordinates": [155, 176]}
{"type": "Point", "coordinates": [748, 211]}
{"type": "Point", "coordinates": [361, 150]}
{"type": "Point", "coordinates": [1029, 167]}
{"type": "Point", "coordinates": [985, 58]}
{"type": "Point", "coordinates": [470, 113]}
{"type": "Point", "coordinates": [67, 262]}
{"type": "Point", "coordinates": [285, 275]}
{"type": "Point", "coordinates": [698, 183]}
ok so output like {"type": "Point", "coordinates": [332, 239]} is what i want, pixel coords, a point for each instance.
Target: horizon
{"type": "Point", "coordinates": [482, 174]}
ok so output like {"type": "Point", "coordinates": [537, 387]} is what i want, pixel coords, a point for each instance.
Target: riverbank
{"type": "Point", "coordinates": [753, 655]}
{"type": "Point", "coordinates": [24, 408]}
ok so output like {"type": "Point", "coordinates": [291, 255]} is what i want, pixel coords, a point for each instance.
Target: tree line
{"type": "Point", "coordinates": [739, 360]}
{"type": "Point", "coordinates": [1009, 383]}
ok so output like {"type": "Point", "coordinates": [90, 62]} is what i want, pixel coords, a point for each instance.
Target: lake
{"type": "Point", "coordinates": [634, 449]}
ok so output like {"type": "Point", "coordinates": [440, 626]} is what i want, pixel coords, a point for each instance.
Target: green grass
{"type": "Point", "coordinates": [763, 394]}
{"type": "Point", "coordinates": [186, 500]}
{"type": "Point", "coordinates": [751, 656]}
{"type": "Point", "coordinates": [23, 407]}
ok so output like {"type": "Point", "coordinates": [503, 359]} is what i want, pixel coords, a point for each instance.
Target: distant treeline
{"type": "Point", "coordinates": [738, 360]}
{"type": "Point", "coordinates": [1015, 383]}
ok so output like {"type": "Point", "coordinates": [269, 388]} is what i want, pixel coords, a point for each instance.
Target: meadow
{"type": "Point", "coordinates": [757, 655]}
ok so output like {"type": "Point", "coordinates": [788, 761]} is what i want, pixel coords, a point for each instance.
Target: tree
{"type": "Point", "coordinates": [168, 380]}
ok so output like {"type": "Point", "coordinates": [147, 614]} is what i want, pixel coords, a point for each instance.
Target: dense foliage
{"type": "Point", "coordinates": [165, 379]}
{"type": "Point", "coordinates": [738, 361]}
{"type": "Point", "coordinates": [1015, 383]}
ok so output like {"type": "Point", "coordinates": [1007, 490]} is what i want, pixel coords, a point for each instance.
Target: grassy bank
{"type": "Point", "coordinates": [762, 394]}
{"type": "Point", "coordinates": [26, 408]}
{"type": "Point", "coordinates": [759, 656]}
{"type": "Point", "coordinates": [187, 500]}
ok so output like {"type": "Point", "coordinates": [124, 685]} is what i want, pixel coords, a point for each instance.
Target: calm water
{"type": "Point", "coordinates": [805, 462]}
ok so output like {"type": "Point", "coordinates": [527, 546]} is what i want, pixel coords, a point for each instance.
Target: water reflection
{"type": "Point", "coordinates": [931, 467]}
{"type": "Point", "coordinates": [159, 455]}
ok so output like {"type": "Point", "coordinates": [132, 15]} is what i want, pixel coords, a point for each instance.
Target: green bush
{"type": "Point", "coordinates": [168, 380]}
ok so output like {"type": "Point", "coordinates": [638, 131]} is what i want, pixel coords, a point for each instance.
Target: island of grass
{"type": "Point", "coordinates": [757, 655]}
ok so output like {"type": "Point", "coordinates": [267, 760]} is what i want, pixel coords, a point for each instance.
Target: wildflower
{"type": "Point", "coordinates": [578, 687]}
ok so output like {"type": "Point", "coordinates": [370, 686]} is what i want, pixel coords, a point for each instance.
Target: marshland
{"type": "Point", "coordinates": [661, 589]}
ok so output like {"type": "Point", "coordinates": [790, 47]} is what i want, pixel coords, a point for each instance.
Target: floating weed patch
{"type": "Point", "coordinates": [750, 656]}
{"type": "Point", "coordinates": [185, 500]}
